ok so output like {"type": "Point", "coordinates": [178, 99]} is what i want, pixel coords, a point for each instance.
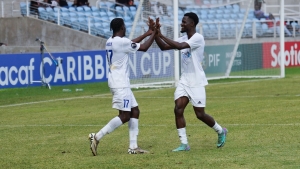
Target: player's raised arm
{"type": "Point", "coordinates": [145, 46]}
{"type": "Point", "coordinates": [148, 33]}
{"type": "Point", "coordinates": [173, 44]}
{"type": "Point", "coordinates": [161, 44]}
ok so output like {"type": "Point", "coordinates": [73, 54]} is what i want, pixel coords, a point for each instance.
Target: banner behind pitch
{"type": "Point", "coordinates": [18, 70]}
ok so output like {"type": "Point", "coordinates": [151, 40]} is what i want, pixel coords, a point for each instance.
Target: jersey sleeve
{"type": "Point", "coordinates": [130, 46]}
{"type": "Point", "coordinates": [195, 41]}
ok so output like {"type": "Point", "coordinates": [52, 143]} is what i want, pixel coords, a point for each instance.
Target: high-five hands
{"type": "Point", "coordinates": [151, 25]}
{"type": "Point", "coordinates": [157, 27]}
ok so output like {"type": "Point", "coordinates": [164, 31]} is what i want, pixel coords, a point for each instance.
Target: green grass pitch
{"type": "Point", "coordinates": [43, 128]}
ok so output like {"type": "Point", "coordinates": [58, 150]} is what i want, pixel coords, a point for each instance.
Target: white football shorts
{"type": "Point", "coordinates": [196, 95]}
{"type": "Point", "coordinates": [123, 99]}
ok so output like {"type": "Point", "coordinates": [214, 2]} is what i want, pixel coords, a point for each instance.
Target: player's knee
{"type": "Point", "coordinates": [135, 113]}
{"type": "Point", "coordinates": [124, 116]}
{"type": "Point", "coordinates": [178, 111]}
{"type": "Point", "coordinates": [125, 119]}
{"type": "Point", "coordinates": [200, 115]}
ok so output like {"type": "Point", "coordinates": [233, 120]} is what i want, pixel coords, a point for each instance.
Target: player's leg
{"type": "Point", "coordinates": [120, 102]}
{"type": "Point", "coordinates": [133, 127]}
{"type": "Point", "coordinates": [198, 100]}
{"type": "Point", "coordinates": [181, 101]}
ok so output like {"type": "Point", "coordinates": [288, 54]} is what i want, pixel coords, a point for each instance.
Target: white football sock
{"type": "Point", "coordinates": [110, 127]}
{"type": "Point", "coordinates": [182, 135]}
{"type": "Point", "coordinates": [217, 128]}
{"type": "Point", "coordinates": [133, 126]}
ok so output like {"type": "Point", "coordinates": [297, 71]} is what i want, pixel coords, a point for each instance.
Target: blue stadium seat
{"type": "Point", "coordinates": [206, 2]}
{"type": "Point", "coordinates": [110, 18]}
{"type": "Point", "coordinates": [295, 25]}
{"type": "Point", "coordinates": [42, 13]}
{"type": "Point", "coordinates": [70, 3]}
{"type": "Point", "coordinates": [230, 31]}
{"type": "Point", "coordinates": [203, 12]}
{"type": "Point", "coordinates": [103, 9]}
{"type": "Point", "coordinates": [240, 15]}
{"type": "Point", "coordinates": [71, 9]}
{"type": "Point", "coordinates": [99, 20]}
{"type": "Point", "coordinates": [67, 21]}
{"type": "Point", "coordinates": [226, 16]}
{"type": "Point", "coordinates": [220, 2]}
{"type": "Point", "coordinates": [96, 14]}
{"type": "Point", "coordinates": [211, 16]}
{"type": "Point", "coordinates": [95, 9]}
{"type": "Point", "coordinates": [103, 14]}
{"type": "Point", "coordinates": [219, 11]}
{"type": "Point", "coordinates": [102, 4]}
{"type": "Point", "coordinates": [79, 9]}
{"type": "Point", "coordinates": [213, 2]}
{"type": "Point", "coordinates": [110, 4]}
{"type": "Point", "coordinates": [221, 7]}
{"type": "Point", "coordinates": [203, 17]}
{"type": "Point", "coordinates": [77, 23]}
{"type": "Point", "coordinates": [56, 9]}
{"type": "Point", "coordinates": [64, 18]}
{"type": "Point", "coordinates": [105, 24]}
{"type": "Point", "coordinates": [243, 11]}
{"type": "Point", "coordinates": [212, 11]}
{"type": "Point", "coordinates": [80, 14]}
{"type": "Point", "coordinates": [87, 14]}
{"type": "Point", "coordinates": [49, 9]}
{"type": "Point", "coordinates": [234, 16]}
{"type": "Point", "coordinates": [132, 8]}
{"type": "Point", "coordinates": [23, 8]}
{"type": "Point", "coordinates": [235, 10]}
{"type": "Point", "coordinates": [63, 9]}
{"type": "Point", "coordinates": [87, 9]}
{"type": "Point", "coordinates": [83, 24]}
{"type": "Point", "coordinates": [228, 7]}
{"type": "Point", "coordinates": [247, 30]}
{"type": "Point", "coordinates": [133, 14]}
{"type": "Point", "coordinates": [119, 8]}
{"type": "Point", "coordinates": [109, 14]}
{"type": "Point", "coordinates": [264, 27]}
{"type": "Point", "coordinates": [226, 11]}
{"type": "Point", "coordinates": [236, 6]}
{"type": "Point", "coordinates": [224, 29]}
{"type": "Point", "coordinates": [127, 19]}
{"type": "Point", "coordinates": [95, 28]}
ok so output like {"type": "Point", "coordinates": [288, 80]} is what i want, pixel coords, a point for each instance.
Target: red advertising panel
{"type": "Point", "coordinates": [271, 54]}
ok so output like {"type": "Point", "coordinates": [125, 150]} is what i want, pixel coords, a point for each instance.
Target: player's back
{"type": "Point", "coordinates": [117, 58]}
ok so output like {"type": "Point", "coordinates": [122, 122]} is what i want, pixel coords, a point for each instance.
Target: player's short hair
{"type": "Point", "coordinates": [193, 16]}
{"type": "Point", "coordinates": [116, 24]}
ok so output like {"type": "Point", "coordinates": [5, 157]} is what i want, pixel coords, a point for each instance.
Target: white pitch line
{"type": "Point", "coordinates": [53, 100]}
{"type": "Point", "coordinates": [143, 125]}
{"type": "Point", "coordinates": [105, 96]}
{"type": "Point", "coordinates": [63, 99]}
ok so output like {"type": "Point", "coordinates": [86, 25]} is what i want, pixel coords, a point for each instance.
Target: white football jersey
{"type": "Point", "coordinates": [192, 73]}
{"type": "Point", "coordinates": [117, 50]}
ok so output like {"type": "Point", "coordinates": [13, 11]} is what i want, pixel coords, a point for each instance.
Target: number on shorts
{"type": "Point", "coordinates": [126, 103]}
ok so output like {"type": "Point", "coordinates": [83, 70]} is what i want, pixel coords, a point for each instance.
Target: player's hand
{"type": "Point", "coordinates": [151, 24]}
{"type": "Point", "coordinates": [157, 27]}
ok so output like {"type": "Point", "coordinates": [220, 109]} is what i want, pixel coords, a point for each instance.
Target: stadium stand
{"type": "Point", "coordinates": [218, 19]}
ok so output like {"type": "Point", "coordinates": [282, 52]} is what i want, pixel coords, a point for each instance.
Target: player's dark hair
{"type": "Point", "coordinates": [193, 16]}
{"type": "Point", "coordinates": [116, 24]}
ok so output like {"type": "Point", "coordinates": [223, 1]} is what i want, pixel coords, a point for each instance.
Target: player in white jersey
{"type": "Point", "coordinates": [191, 86]}
{"type": "Point", "coordinates": [117, 49]}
